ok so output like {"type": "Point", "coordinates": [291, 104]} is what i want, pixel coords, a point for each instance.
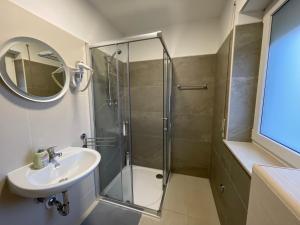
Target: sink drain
{"type": "Point", "coordinates": [159, 176]}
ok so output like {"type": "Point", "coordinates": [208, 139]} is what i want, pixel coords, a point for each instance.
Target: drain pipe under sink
{"type": "Point", "coordinates": [62, 208]}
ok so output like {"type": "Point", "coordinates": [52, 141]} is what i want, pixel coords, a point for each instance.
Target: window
{"type": "Point", "coordinates": [277, 125]}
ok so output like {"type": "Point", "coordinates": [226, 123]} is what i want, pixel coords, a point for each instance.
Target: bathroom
{"type": "Point", "coordinates": [149, 112]}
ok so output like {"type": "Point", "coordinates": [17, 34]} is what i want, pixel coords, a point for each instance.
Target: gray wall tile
{"type": "Point", "coordinates": [193, 115]}
{"type": "Point", "coordinates": [146, 89]}
{"type": "Point", "coordinates": [147, 98]}
{"type": "Point", "coordinates": [191, 157]}
{"type": "Point", "coordinates": [146, 73]}
{"type": "Point", "coordinates": [147, 123]}
{"type": "Point", "coordinates": [244, 81]}
{"type": "Point", "coordinates": [225, 169]}
{"type": "Point", "coordinates": [147, 150]}
{"type": "Point", "coordinates": [193, 127]}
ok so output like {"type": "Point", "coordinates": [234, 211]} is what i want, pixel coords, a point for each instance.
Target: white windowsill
{"type": "Point", "coordinates": [284, 183]}
{"type": "Point", "coordinates": [248, 154]}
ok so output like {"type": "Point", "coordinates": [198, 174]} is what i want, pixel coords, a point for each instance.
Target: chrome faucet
{"type": "Point", "coordinates": [53, 155]}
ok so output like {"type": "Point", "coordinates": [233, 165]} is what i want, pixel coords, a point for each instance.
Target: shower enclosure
{"type": "Point", "coordinates": [132, 96]}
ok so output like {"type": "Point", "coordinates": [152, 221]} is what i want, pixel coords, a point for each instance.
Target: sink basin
{"type": "Point", "coordinates": [75, 164]}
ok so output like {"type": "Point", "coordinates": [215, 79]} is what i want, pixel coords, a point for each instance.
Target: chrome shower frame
{"type": "Point", "coordinates": [127, 40]}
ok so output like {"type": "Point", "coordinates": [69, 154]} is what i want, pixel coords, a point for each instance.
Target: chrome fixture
{"type": "Point", "coordinates": [127, 158]}
{"type": "Point", "coordinates": [53, 155]}
{"type": "Point", "coordinates": [98, 141]}
{"type": "Point", "coordinates": [63, 208]}
{"type": "Point", "coordinates": [83, 137]}
{"type": "Point", "coordinates": [109, 62]}
{"type": "Point", "coordinates": [222, 188]}
{"type": "Point", "coordinates": [110, 58]}
{"type": "Point", "coordinates": [192, 87]}
{"type": "Point", "coordinates": [125, 128]}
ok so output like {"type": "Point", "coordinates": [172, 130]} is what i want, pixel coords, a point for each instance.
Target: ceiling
{"type": "Point", "coordinates": [136, 16]}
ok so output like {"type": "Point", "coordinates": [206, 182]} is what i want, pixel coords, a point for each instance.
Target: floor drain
{"type": "Point", "coordinates": [159, 176]}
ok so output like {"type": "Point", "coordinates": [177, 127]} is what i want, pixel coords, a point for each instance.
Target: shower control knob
{"type": "Point", "coordinates": [222, 188]}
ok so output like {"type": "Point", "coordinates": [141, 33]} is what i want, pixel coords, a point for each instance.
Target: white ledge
{"type": "Point", "coordinates": [249, 154]}
{"type": "Point", "coordinates": [284, 182]}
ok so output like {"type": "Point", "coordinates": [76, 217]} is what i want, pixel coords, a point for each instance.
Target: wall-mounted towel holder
{"type": "Point", "coordinates": [192, 87]}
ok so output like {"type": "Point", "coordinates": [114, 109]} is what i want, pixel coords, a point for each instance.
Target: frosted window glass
{"type": "Point", "coordinates": [281, 107]}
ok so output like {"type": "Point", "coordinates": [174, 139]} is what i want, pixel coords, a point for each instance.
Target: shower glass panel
{"type": "Point", "coordinates": [132, 87]}
{"type": "Point", "coordinates": [147, 124]}
{"type": "Point", "coordinates": [112, 120]}
{"type": "Point", "coordinates": [167, 117]}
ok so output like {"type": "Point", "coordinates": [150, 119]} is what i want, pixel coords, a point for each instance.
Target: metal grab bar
{"type": "Point", "coordinates": [192, 87]}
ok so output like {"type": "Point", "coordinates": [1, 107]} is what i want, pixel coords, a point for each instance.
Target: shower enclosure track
{"type": "Point", "coordinates": [142, 37]}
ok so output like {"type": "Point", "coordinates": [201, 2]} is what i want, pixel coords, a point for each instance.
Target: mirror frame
{"type": "Point", "coordinates": [3, 74]}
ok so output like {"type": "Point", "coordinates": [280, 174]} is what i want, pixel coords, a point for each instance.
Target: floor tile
{"type": "Point", "coordinates": [203, 221]}
{"type": "Point", "coordinates": [173, 218]}
{"type": "Point", "coordinates": [175, 199]}
{"type": "Point", "coordinates": [192, 197]}
{"type": "Point", "coordinates": [148, 220]}
{"type": "Point", "coordinates": [167, 218]}
{"type": "Point", "coordinates": [108, 214]}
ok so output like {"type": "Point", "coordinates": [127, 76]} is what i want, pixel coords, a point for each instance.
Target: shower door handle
{"type": "Point", "coordinates": [165, 119]}
{"type": "Point", "coordinates": [125, 128]}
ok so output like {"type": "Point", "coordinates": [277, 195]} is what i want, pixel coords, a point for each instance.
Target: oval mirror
{"type": "Point", "coordinates": [33, 70]}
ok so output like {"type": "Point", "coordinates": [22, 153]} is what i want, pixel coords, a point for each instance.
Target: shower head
{"type": "Point", "coordinates": [110, 58]}
{"type": "Point", "coordinates": [118, 51]}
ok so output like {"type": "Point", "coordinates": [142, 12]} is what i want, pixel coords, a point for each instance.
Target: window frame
{"type": "Point", "coordinates": [284, 153]}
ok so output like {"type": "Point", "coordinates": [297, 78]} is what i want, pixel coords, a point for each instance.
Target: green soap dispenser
{"type": "Point", "coordinates": [40, 159]}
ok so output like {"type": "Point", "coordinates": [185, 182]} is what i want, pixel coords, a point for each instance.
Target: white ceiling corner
{"type": "Point", "coordinates": [137, 16]}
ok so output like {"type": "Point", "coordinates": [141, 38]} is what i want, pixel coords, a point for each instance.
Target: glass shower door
{"type": "Point", "coordinates": [167, 127]}
{"type": "Point", "coordinates": [125, 122]}
{"type": "Point", "coordinates": [112, 120]}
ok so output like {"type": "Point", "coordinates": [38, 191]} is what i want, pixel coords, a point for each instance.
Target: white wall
{"type": "Point", "coordinates": [199, 37]}
{"type": "Point", "coordinates": [77, 17]}
{"type": "Point", "coordinates": [26, 126]}
{"type": "Point", "coordinates": [227, 21]}
{"type": "Point", "coordinates": [232, 16]}
{"type": "Point", "coordinates": [196, 38]}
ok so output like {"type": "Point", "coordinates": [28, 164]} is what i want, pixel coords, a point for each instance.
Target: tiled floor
{"type": "Point", "coordinates": [108, 214]}
{"type": "Point", "coordinates": [188, 201]}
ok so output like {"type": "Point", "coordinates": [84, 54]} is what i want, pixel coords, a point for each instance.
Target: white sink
{"type": "Point", "coordinates": [75, 164]}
